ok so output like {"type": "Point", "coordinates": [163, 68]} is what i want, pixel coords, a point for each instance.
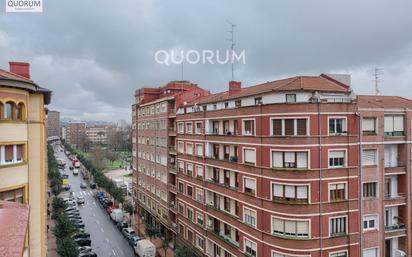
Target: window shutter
{"type": "Point", "coordinates": [277, 159]}
{"type": "Point", "coordinates": [337, 154]}
{"type": "Point", "coordinates": [302, 159]}
{"type": "Point", "coordinates": [301, 127]}
{"type": "Point", "coordinates": [303, 227]}
{"type": "Point", "coordinates": [388, 123]}
{"type": "Point", "coordinates": [289, 156]}
{"type": "Point", "coordinates": [277, 224]}
{"type": "Point", "coordinates": [398, 123]}
{"type": "Point", "coordinates": [290, 191]}
{"type": "Point", "coordinates": [249, 156]}
{"type": "Point", "coordinates": [369, 157]}
{"type": "Point", "coordinates": [370, 252]}
{"type": "Point", "coordinates": [19, 152]}
{"type": "Point", "coordinates": [277, 127]}
{"type": "Point", "coordinates": [289, 127]}
{"type": "Point", "coordinates": [277, 190]}
{"type": "Point", "coordinates": [302, 192]}
{"type": "Point", "coordinates": [368, 124]}
{"type": "Point", "coordinates": [8, 153]}
{"type": "Point", "coordinates": [290, 227]}
{"type": "Point", "coordinates": [250, 183]}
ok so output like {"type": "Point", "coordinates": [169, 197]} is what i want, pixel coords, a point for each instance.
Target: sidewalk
{"type": "Point", "coordinates": [51, 239]}
{"type": "Point", "coordinates": [140, 228]}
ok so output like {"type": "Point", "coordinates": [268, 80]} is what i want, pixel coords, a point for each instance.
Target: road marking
{"type": "Point", "coordinates": [91, 192]}
{"type": "Point", "coordinates": [94, 203]}
{"type": "Point", "coordinates": [98, 222]}
{"type": "Point", "coordinates": [94, 215]}
{"type": "Point", "coordinates": [114, 252]}
{"type": "Point", "coordinates": [102, 230]}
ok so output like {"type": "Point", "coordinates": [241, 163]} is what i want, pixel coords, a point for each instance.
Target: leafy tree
{"type": "Point", "coordinates": [183, 251]}
{"type": "Point", "coordinates": [151, 231]}
{"type": "Point", "coordinates": [128, 207]}
{"type": "Point", "coordinates": [67, 247]}
{"type": "Point", "coordinates": [58, 204]}
{"type": "Point", "coordinates": [165, 245]}
{"type": "Point", "coordinates": [64, 227]}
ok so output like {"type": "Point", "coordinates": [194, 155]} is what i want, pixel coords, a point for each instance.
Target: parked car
{"type": "Point", "coordinates": [121, 225]}
{"type": "Point", "coordinates": [133, 240]}
{"type": "Point", "coordinates": [71, 167]}
{"type": "Point", "coordinates": [83, 185]}
{"type": "Point", "coordinates": [83, 242]}
{"type": "Point", "coordinates": [80, 200]}
{"type": "Point", "coordinates": [145, 248]}
{"type": "Point", "coordinates": [75, 218]}
{"type": "Point", "coordinates": [79, 224]}
{"type": "Point", "coordinates": [75, 172]}
{"type": "Point", "coordinates": [84, 248]}
{"type": "Point", "coordinates": [128, 232]}
{"type": "Point", "coordinates": [81, 235]}
{"type": "Point", "coordinates": [88, 254]}
{"type": "Point", "coordinates": [93, 185]}
{"type": "Point", "coordinates": [116, 215]}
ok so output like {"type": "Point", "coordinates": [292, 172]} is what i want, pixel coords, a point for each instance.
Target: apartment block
{"type": "Point", "coordinates": [75, 133]}
{"type": "Point", "coordinates": [23, 167]}
{"type": "Point", "coordinates": [97, 134]}
{"type": "Point", "coordinates": [154, 154]}
{"type": "Point", "coordinates": [53, 124]}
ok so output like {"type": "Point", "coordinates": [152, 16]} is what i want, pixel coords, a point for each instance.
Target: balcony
{"type": "Point", "coordinates": [224, 237]}
{"type": "Point", "coordinates": [395, 168]}
{"type": "Point", "coordinates": [172, 188]}
{"type": "Point", "coordinates": [216, 132]}
{"type": "Point", "coordinates": [172, 150]}
{"type": "Point", "coordinates": [396, 199]}
{"type": "Point", "coordinates": [395, 227]}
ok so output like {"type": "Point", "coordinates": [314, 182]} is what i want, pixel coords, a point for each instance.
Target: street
{"type": "Point", "coordinates": [107, 240]}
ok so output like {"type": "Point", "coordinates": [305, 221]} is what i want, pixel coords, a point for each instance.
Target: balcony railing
{"type": "Point", "coordinates": [221, 133]}
{"type": "Point", "coordinates": [224, 237]}
{"type": "Point", "coordinates": [395, 227]}
{"type": "Point", "coordinates": [396, 164]}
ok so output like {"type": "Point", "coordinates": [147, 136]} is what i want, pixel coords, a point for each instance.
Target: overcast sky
{"type": "Point", "coordinates": [93, 54]}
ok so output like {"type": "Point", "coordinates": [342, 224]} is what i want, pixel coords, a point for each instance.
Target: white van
{"type": "Point", "coordinates": [145, 248]}
{"type": "Point", "coordinates": [75, 172]}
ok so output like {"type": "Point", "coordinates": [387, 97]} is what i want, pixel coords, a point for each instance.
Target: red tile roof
{"type": "Point", "coordinates": [320, 83]}
{"type": "Point", "coordinates": [387, 102]}
{"type": "Point", "coordinates": [10, 75]}
{"type": "Point", "coordinates": [14, 219]}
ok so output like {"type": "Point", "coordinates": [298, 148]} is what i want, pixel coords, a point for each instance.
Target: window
{"type": "Point", "coordinates": [8, 110]}
{"type": "Point", "coordinates": [199, 195]}
{"type": "Point", "coordinates": [289, 159]}
{"type": "Point", "coordinates": [238, 103]}
{"type": "Point", "coordinates": [370, 252]}
{"type": "Point", "coordinates": [199, 171]}
{"type": "Point", "coordinates": [368, 157]}
{"type": "Point", "coordinates": [289, 127]}
{"type": "Point", "coordinates": [226, 105]}
{"type": "Point", "coordinates": [190, 213]}
{"type": "Point", "coordinates": [249, 217]}
{"type": "Point", "coordinates": [181, 166]}
{"type": "Point", "coordinates": [290, 193]}
{"type": "Point", "coordinates": [337, 226]}
{"type": "Point", "coordinates": [290, 228]}
{"type": "Point", "coordinates": [189, 169]}
{"type": "Point", "coordinates": [19, 111]}
{"type": "Point", "coordinates": [181, 209]}
{"type": "Point", "coordinates": [337, 158]}
{"type": "Point", "coordinates": [204, 107]}
{"type": "Point", "coordinates": [189, 128]}
{"type": "Point", "coordinates": [180, 147]}
{"type": "Point", "coordinates": [198, 128]}
{"type": "Point", "coordinates": [369, 126]}
{"type": "Point", "coordinates": [199, 150]}
{"type": "Point", "coordinates": [181, 187]}
{"type": "Point", "coordinates": [11, 154]}
{"type": "Point", "coordinates": [337, 126]}
{"type": "Point", "coordinates": [370, 222]}
{"type": "Point", "coordinates": [249, 156]}
{"type": "Point", "coordinates": [291, 98]}
{"type": "Point", "coordinates": [337, 191]}
{"type": "Point", "coordinates": [339, 254]}
{"type": "Point", "coordinates": [248, 127]}
{"type": "Point", "coordinates": [16, 195]}
{"type": "Point", "coordinates": [249, 185]}
{"type": "Point", "coordinates": [189, 190]}
{"type": "Point", "coordinates": [393, 125]}
{"type": "Point", "coordinates": [250, 248]}
{"type": "Point", "coordinates": [189, 148]}
{"type": "Point", "coordinates": [258, 100]}
{"type": "Point", "coordinates": [200, 242]}
{"type": "Point", "coordinates": [199, 218]}
{"type": "Point", "coordinates": [190, 236]}
{"type": "Point", "coordinates": [180, 128]}
{"type": "Point", "coordinates": [369, 189]}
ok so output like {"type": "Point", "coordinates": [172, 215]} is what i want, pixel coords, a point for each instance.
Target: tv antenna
{"type": "Point", "coordinates": [232, 45]}
{"type": "Point", "coordinates": [377, 74]}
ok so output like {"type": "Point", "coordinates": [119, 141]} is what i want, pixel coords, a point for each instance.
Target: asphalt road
{"type": "Point", "coordinates": [107, 240]}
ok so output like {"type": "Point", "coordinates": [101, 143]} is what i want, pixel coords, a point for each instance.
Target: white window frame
{"type": "Point", "coordinates": [376, 156]}
{"type": "Point", "coordinates": [288, 184]}
{"type": "Point", "coordinates": [293, 219]}
{"type": "Point", "coordinates": [376, 124]}
{"type": "Point", "coordinates": [338, 182]}
{"type": "Point", "coordinates": [243, 155]}
{"type": "Point", "coordinates": [286, 150]}
{"type": "Point", "coordinates": [254, 127]}
{"type": "Point", "coordinates": [244, 246]}
{"type": "Point", "coordinates": [187, 148]}
{"type": "Point", "coordinates": [376, 189]}
{"type": "Point", "coordinates": [244, 184]}
{"type": "Point", "coordinates": [201, 147]}
{"type": "Point", "coordinates": [183, 126]}
{"type": "Point", "coordinates": [366, 217]}
{"type": "Point", "coordinates": [370, 248]}
{"type": "Point", "coordinates": [345, 164]}
{"type": "Point", "coordinates": [345, 127]}
{"type": "Point", "coordinates": [337, 217]}
{"type": "Point", "coordinates": [203, 239]}
{"type": "Point", "coordinates": [244, 216]}
{"type": "Point", "coordinates": [295, 118]}
{"type": "Point", "coordinates": [187, 126]}
{"type": "Point", "coordinates": [201, 125]}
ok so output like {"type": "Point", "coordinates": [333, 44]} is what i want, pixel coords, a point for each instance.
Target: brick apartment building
{"type": "Point", "coordinates": [53, 124]}
{"type": "Point", "coordinates": [154, 153]}
{"type": "Point", "coordinates": [98, 134]}
{"type": "Point", "coordinates": [75, 133]}
{"type": "Point", "coordinates": [295, 167]}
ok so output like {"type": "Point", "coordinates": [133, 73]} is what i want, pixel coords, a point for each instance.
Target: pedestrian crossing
{"type": "Point", "coordinates": [83, 193]}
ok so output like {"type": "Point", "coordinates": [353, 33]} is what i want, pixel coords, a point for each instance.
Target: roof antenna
{"type": "Point", "coordinates": [378, 72]}
{"type": "Point", "coordinates": [232, 44]}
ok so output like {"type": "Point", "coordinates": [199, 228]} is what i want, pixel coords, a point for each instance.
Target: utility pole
{"type": "Point", "coordinates": [378, 72]}
{"type": "Point", "coordinates": [232, 45]}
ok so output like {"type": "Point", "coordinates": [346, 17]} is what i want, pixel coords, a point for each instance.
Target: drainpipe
{"type": "Point", "coordinates": [317, 97]}
{"type": "Point", "coordinates": [360, 194]}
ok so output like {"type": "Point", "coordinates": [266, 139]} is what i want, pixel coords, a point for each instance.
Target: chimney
{"type": "Point", "coordinates": [20, 68]}
{"type": "Point", "coordinates": [234, 87]}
